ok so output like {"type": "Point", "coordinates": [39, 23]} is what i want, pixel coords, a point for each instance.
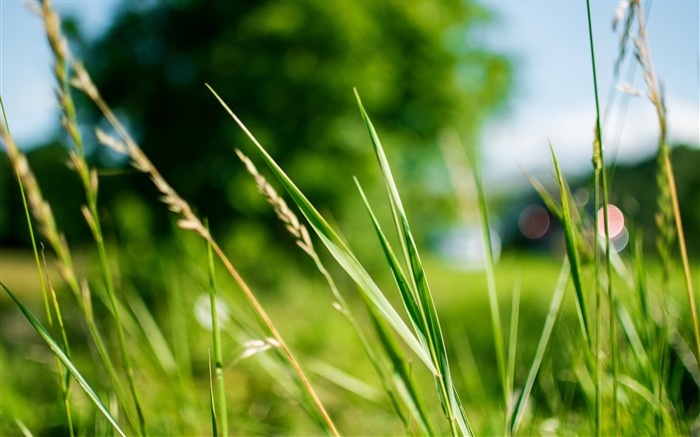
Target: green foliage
{"type": "Point", "coordinates": [289, 68]}
{"type": "Point", "coordinates": [142, 295]}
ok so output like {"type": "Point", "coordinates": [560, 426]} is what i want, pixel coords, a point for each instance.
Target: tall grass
{"type": "Point", "coordinates": [628, 376]}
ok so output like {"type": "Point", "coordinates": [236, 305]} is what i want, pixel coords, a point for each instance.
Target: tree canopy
{"type": "Point", "coordinates": [288, 69]}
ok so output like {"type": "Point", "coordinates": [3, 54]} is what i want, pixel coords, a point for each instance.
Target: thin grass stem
{"type": "Point", "coordinates": [64, 382]}
{"type": "Point", "coordinates": [601, 185]}
{"type": "Point", "coordinates": [496, 325]}
{"type": "Point", "coordinates": [512, 350]}
{"type": "Point", "coordinates": [216, 340]}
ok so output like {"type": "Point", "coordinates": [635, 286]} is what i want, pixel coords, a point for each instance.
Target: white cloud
{"type": "Point", "coordinates": [522, 142]}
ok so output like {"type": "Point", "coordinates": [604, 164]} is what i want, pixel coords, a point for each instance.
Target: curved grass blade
{"type": "Point", "coordinates": [429, 326]}
{"type": "Point", "coordinates": [412, 306]}
{"type": "Point", "coordinates": [56, 349]}
{"type": "Point", "coordinates": [401, 374]}
{"type": "Point", "coordinates": [572, 252]}
{"type": "Point", "coordinates": [554, 308]}
{"type": "Point", "coordinates": [337, 247]}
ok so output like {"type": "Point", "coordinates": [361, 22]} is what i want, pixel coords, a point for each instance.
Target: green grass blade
{"type": "Point", "coordinates": [546, 197]}
{"type": "Point", "coordinates": [554, 307]}
{"type": "Point", "coordinates": [152, 331]}
{"type": "Point", "coordinates": [407, 296]}
{"type": "Point", "coordinates": [496, 325]}
{"type": "Point", "coordinates": [430, 323]}
{"type": "Point", "coordinates": [64, 380]}
{"type": "Point", "coordinates": [212, 403]}
{"type": "Point", "coordinates": [216, 340]}
{"type": "Point", "coordinates": [337, 247]}
{"type": "Point", "coordinates": [512, 348]}
{"type": "Point", "coordinates": [23, 428]}
{"type": "Point", "coordinates": [572, 251]}
{"type": "Point", "coordinates": [56, 349]}
{"type": "Point", "coordinates": [406, 387]}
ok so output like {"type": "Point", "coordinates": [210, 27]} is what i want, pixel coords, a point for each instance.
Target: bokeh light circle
{"type": "Point", "coordinates": [533, 222]}
{"type": "Point", "coordinates": [616, 221]}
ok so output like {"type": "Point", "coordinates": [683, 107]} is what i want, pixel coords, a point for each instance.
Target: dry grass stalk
{"type": "Point", "coordinates": [40, 208]}
{"type": "Point", "coordinates": [668, 218]}
{"type": "Point", "coordinates": [283, 212]}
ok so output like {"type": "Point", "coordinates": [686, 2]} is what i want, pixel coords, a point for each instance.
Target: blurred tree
{"type": "Point", "coordinates": [288, 69]}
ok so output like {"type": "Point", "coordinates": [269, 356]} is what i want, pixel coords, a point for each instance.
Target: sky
{"type": "Point", "coordinates": [552, 101]}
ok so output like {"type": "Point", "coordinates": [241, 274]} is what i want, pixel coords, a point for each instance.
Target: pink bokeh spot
{"type": "Point", "coordinates": [616, 221]}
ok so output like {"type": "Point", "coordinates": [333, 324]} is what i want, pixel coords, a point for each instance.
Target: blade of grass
{"type": "Point", "coordinates": [216, 340]}
{"type": "Point", "coordinates": [573, 254]}
{"type": "Point", "coordinates": [303, 240]}
{"type": "Point", "coordinates": [602, 185]}
{"type": "Point", "coordinates": [512, 349]}
{"type": "Point", "coordinates": [335, 246]}
{"type": "Point", "coordinates": [56, 349]}
{"type": "Point", "coordinates": [430, 326]}
{"type": "Point", "coordinates": [411, 308]}
{"type": "Point", "coordinates": [667, 189]}
{"type": "Point", "coordinates": [552, 314]}
{"type": "Point", "coordinates": [401, 373]}
{"type": "Point", "coordinates": [88, 177]}
{"type": "Point", "coordinates": [408, 298]}
{"type": "Point", "coordinates": [43, 214]}
{"type": "Point", "coordinates": [496, 325]}
{"type": "Point", "coordinates": [64, 381]}
{"type": "Point", "coordinates": [23, 428]}
{"type": "Point", "coordinates": [151, 330]}
{"type": "Point", "coordinates": [35, 246]}
{"type": "Point", "coordinates": [188, 220]}
{"type": "Point", "coordinates": [212, 403]}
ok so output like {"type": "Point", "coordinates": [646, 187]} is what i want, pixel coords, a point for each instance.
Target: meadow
{"type": "Point", "coordinates": [388, 339]}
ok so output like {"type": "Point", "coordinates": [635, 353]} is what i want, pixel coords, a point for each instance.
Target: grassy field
{"type": "Point", "coordinates": [138, 337]}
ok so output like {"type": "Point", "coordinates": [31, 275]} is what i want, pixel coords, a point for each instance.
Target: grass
{"type": "Point", "coordinates": [417, 349]}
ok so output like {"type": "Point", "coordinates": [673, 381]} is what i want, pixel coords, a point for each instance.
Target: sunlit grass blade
{"type": "Point", "coordinates": [406, 386]}
{"type": "Point", "coordinates": [407, 296]}
{"type": "Point", "coordinates": [572, 251]}
{"type": "Point", "coordinates": [304, 242]}
{"type": "Point", "coordinates": [337, 247]}
{"type": "Point", "coordinates": [424, 299]}
{"type": "Point", "coordinates": [401, 373]}
{"type": "Point", "coordinates": [56, 349]}
{"type": "Point", "coordinates": [552, 314]}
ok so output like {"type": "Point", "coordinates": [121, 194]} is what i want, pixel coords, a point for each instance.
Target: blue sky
{"type": "Point", "coordinates": [552, 99]}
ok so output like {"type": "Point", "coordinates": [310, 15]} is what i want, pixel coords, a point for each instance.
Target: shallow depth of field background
{"type": "Point", "coordinates": [431, 76]}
